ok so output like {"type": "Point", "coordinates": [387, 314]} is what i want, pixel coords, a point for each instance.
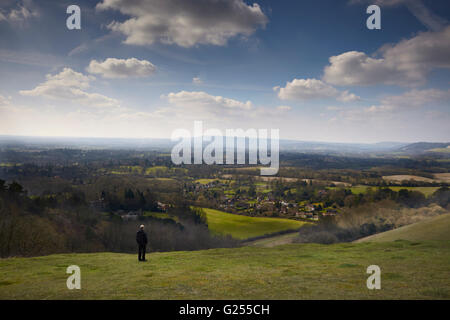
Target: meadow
{"type": "Point", "coordinates": [244, 227]}
{"type": "Point", "coordinates": [409, 270]}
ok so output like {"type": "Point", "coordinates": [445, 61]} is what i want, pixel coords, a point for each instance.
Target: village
{"type": "Point", "coordinates": [255, 200]}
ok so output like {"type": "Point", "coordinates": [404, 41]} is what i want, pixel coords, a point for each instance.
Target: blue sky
{"type": "Point", "coordinates": [309, 68]}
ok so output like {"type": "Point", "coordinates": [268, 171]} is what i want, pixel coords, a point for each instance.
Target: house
{"type": "Point", "coordinates": [300, 214]}
{"type": "Point", "coordinates": [97, 204]}
{"type": "Point", "coordinates": [162, 206]}
{"type": "Point", "coordinates": [330, 212]}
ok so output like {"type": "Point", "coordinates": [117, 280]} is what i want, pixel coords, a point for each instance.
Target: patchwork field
{"type": "Point", "coordinates": [244, 227]}
{"type": "Point", "coordinates": [409, 270]}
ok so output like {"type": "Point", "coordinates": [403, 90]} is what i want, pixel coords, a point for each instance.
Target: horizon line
{"type": "Point", "coordinates": [168, 138]}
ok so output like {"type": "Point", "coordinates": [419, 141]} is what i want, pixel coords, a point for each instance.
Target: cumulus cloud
{"type": "Point", "coordinates": [406, 63]}
{"type": "Point", "coordinates": [399, 104]}
{"type": "Point", "coordinates": [184, 107]}
{"type": "Point", "coordinates": [417, 98]}
{"type": "Point", "coordinates": [184, 22]}
{"type": "Point", "coordinates": [22, 12]}
{"type": "Point", "coordinates": [121, 68]}
{"type": "Point", "coordinates": [70, 86]}
{"type": "Point", "coordinates": [198, 102]}
{"type": "Point", "coordinates": [311, 89]}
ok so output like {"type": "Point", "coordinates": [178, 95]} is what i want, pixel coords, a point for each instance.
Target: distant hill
{"type": "Point", "coordinates": [436, 228]}
{"type": "Point", "coordinates": [314, 147]}
{"type": "Point", "coordinates": [423, 147]}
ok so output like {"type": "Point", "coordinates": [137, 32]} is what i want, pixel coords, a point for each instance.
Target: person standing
{"type": "Point", "coordinates": [141, 239]}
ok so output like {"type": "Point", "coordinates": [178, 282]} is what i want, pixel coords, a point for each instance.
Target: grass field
{"type": "Point", "coordinates": [160, 215]}
{"type": "Point", "coordinates": [427, 191]}
{"type": "Point", "coordinates": [436, 228]}
{"type": "Point", "coordinates": [400, 178]}
{"type": "Point", "coordinates": [409, 270]}
{"type": "Point", "coordinates": [444, 177]}
{"type": "Point", "coordinates": [441, 150]}
{"type": "Point", "coordinates": [273, 241]}
{"type": "Point", "coordinates": [206, 181]}
{"type": "Point", "coordinates": [243, 227]}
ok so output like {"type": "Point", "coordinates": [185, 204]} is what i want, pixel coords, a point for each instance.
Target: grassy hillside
{"type": "Point", "coordinates": [243, 227]}
{"type": "Point", "coordinates": [297, 271]}
{"type": "Point", "coordinates": [436, 228]}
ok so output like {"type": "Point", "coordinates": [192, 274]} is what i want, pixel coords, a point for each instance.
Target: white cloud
{"type": "Point", "coordinates": [121, 68]}
{"type": "Point", "coordinates": [70, 86]}
{"type": "Point", "coordinates": [4, 101]}
{"type": "Point", "coordinates": [197, 81]}
{"type": "Point", "coordinates": [23, 11]}
{"type": "Point", "coordinates": [396, 104]}
{"type": "Point", "coordinates": [406, 63]}
{"type": "Point", "coordinates": [417, 98]}
{"type": "Point", "coordinates": [198, 102]}
{"type": "Point", "coordinates": [184, 22]}
{"type": "Point", "coordinates": [346, 96]}
{"type": "Point", "coordinates": [310, 89]}
{"type": "Point", "coordinates": [284, 108]}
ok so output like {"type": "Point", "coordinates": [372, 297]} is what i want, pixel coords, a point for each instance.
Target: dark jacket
{"type": "Point", "coordinates": [141, 237]}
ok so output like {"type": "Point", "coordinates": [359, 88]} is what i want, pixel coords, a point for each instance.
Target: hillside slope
{"type": "Point", "coordinates": [436, 228]}
{"type": "Point", "coordinates": [296, 271]}
{"type": "Point", "coordinates": [244, 227]}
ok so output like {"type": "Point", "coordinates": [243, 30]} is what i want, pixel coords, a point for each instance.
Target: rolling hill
{"type": "Point", "coordinates": [436, 228]}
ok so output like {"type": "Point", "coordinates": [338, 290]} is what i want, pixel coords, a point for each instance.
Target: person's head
{"type": "Point", "coordinates": [141, 227]}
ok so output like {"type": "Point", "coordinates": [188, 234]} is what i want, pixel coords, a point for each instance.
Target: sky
{"type": "Point", "coordinates": [144, 68]}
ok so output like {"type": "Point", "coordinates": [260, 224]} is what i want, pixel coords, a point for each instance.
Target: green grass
{"type": "Point", "coordinates": [243, 227]}
{"type": "Point", "coordinates": [155, 169]}
{"type": "Point", "coordinates": [8, 164]}
{"type": "Point", "coordinates": [206, 181]}
{"type": "Point", "coordinates": [355, 189]}
{"type": "Point", "coordinates": [442, 150]}
{"type": "Point", "coordinates": [436, 228]}
{"type": "Point", "coordinates": [427, 191]}
{"type": "Point", "coordinates": [160, 215]}
{"type": "Point", "coordinates": [274, 241]}
{"type": "Point", "coordinates": [296, 271]}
